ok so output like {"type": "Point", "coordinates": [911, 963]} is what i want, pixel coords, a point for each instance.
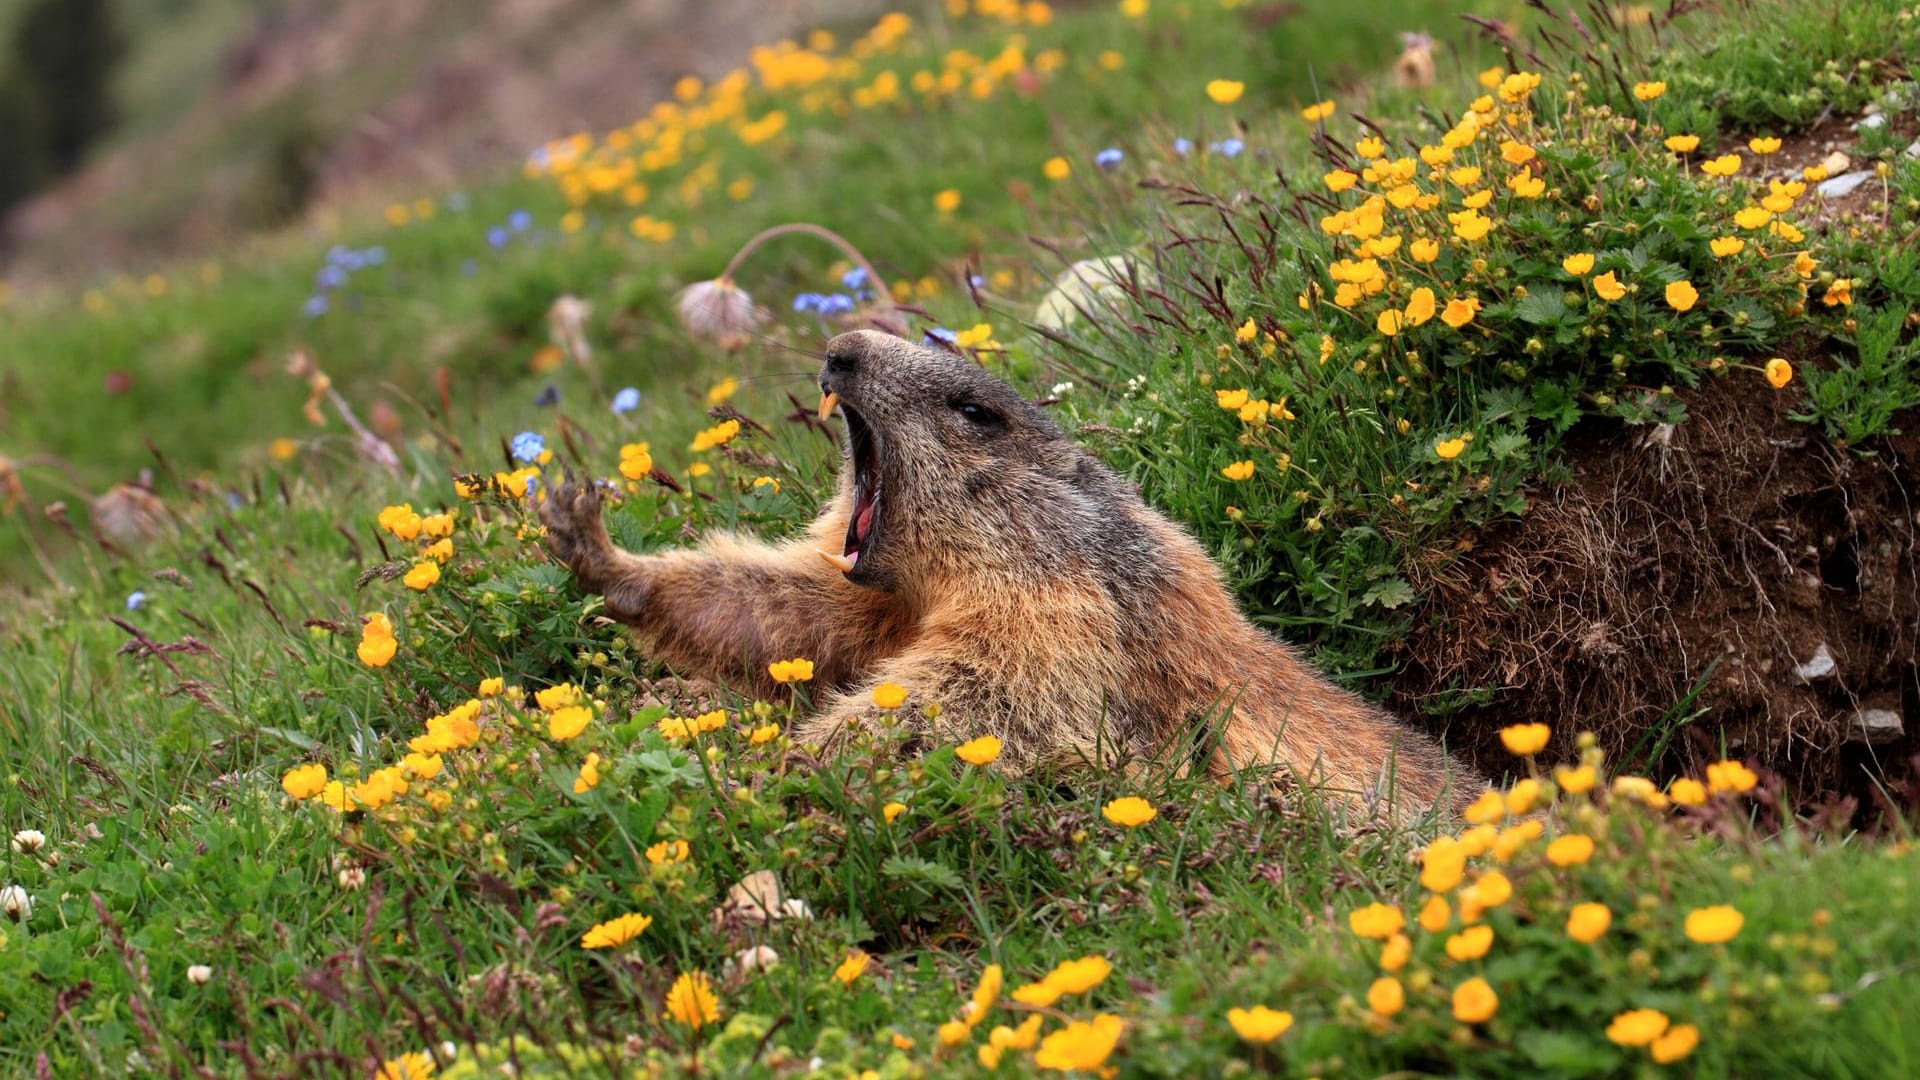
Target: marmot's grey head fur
{"type": "Point", "coordinates": [954, 475]}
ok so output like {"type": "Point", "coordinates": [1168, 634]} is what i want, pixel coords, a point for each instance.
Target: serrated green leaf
{"type": "Point", "coordinates": [1389, 594]}
{"type": "Point", "coordinates": [1543, 308]}
{"type": "Point", "coordinates": [918, 871]}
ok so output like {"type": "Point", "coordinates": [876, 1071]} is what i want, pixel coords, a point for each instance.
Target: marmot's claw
{"type": "Point", "coordinates": [575, 533]}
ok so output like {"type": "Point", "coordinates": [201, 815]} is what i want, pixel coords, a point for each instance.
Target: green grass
{"type": "Point", "coordinates": [156, 775]}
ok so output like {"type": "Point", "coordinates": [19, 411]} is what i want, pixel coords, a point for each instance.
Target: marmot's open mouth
{"type": "Point", "coordinates": [862, 525]}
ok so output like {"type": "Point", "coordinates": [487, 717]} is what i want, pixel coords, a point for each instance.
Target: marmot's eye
{"type": "Point", "coordinates": [976, 414]}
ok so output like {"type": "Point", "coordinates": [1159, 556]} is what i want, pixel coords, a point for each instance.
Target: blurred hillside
{"type": "Point", "coordinates": [231, 116]}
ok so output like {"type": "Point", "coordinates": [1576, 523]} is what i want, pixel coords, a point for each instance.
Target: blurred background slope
{"type": "Point", "coordinates": [136, 129]}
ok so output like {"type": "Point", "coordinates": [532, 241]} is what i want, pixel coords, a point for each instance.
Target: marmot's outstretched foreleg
{"type": "Point", "coordinates": [731, 605]}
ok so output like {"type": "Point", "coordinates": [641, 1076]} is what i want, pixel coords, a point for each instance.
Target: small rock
{"type": "Point", "coordinates": [1869, 122]}
{"type": "Point", "coordinates": [1836, 163]}
{"type": "Point", "coordinates": [1913, 149]}
{"type": "Point", "coordinates": [1820, 666]}
{"type": "Point", "coordinates": [1842, 186]}
{"type": "Point", "coordinates": [1877, 727]}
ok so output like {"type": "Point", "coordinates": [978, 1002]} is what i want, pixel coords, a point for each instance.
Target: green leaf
{"type": "Point", "coordinates": [1392, 593]}
{"type": "Point", "coordinates": [1543, 308]}
{"type": "Point", "coordinates": [912, 870]}
{"type": "Point", "coordinates": [1560, 1053]}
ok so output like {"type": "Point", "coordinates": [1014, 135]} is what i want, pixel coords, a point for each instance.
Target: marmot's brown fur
{"type": "Point", "coordinates": [997, 568]}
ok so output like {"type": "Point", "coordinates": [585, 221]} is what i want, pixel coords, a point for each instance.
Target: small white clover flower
{"type": "Point", "coordinates": [16, 904]}
{"type": "Point", "coordinates": [198, 974]}
{"type": "Point", "coordinates": [28, 841]}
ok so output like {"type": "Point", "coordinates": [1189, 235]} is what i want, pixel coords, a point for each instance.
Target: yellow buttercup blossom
{"type": "Point", "coordinates": [1577, 265]}
{"type": "Point", "coordinates": [439, 550]}
{"type": "Point", "coordinates": [1638, 1027]}
{"type": "Point", "coordinates": [893, 810]}
{"type": "Point", "coordinates": [1521, 796]}
{"type": "Point", "coordinates": [1724, 247]}
{"type": "Point", "coordinates": [1448, 449]}
{"type": "Point", "coordinates": [1779, 372]}
{"type": "Point", "coordinates": [1679, 1041]}
{"type": "Point", "coordinates": [1471, 225]}
{"type": "Point", "coordinates": [1225, 91]}
{"type": "Point", "coordinates": [1317, 112]}
{"type": "Point", "coordinates": [1129, 811]}
{"type": "Point", "coordinates": [567, 723]}
{"type": "Point", "coordinates": [1386, 996]}
{"type": "Point", "coordinates": [791, 671]}
{"type": "Point", "coordinates": [765, 733]}
{"type": "Point", "coordinates": [1714, 925]}
{"type": "Point", "coordinates": [889, 695]}
{"type": "Point", "coordinates": [1514, 152]}
{"type": "Point", "coordinates": [718, 435]}
{"type": "Point", "coordinates": [1239, 470]}
{"type": "Point", "coordinates": [1730, 776]}
{"type": "Point", "coordinates": [1681, 295]}
{"type": "Point", "coordinates": [1460, 311]}
{"type": "Point", "coordinates": [589, 776]}
{"type": "Point", "coordinates": [422, 576]}
{"type": "Point", "coordinates": [1470, 944]}
{"type": "Point", "coordinates": [1686, 791]}
{"type": "Point", "coordinates": [1443, 865]}
{"type": "Point", "coordinates": [1435, 914]}
{"type": "Point", "coordinates": [1764, 145]}
{"type": "Point", "coordinates": [1724, 165]}
{"type": "Point", "coordinates": [1378, 921]}
{"type": "Point", "coordinates": [1752, 217]}
{"type": "Point", "coordinates": [984, 750]}
{"type": "Point", "coordinates": [1420, 306]}
{"type": "Point", "coordinates": [1607, 287]}
{"type": "Point", "coordinates": [615, 932]}
{"type": "Point", "coordinates": [1576, 781]}
{"type": "Point", "coordinates": [1081, 1045]}
{"type": "Point", "coordinates": [1396, 952]}
{"type": "Point", "coordinates": [1389, 322]}
{"type": "Point", "coordinates": [1570, 850]}
{"type": "Point", "coordinates": [1259, 1024]}
{"type": "Point", "coordinates": [1489, 807]}
{"type": "Point", "coordinates": [1424, 250]}
{"type": "Point", "coordinates": [669, 851]}
{"type": "Point", "coordinates": [1247, 332]}
{"type": "Point", "coordinates": [1525, 740]}
{"type": "Point", "coordinates": [304, 781]}
{"type": "Point", "coordinates": [1474, 1001]}
{"type": "Point", "coordinates": [1586, 922]}
{"type": "Point", "coordinates": [1648, 91]}
{"type": "Point", "coordinates": [1056, 169]}
{"type": "Point", "coordinates": [1683, 144]}
{"type": "Point", "coordinates": [1231, 400]}
{"type": "Point", "coordinates": [947, 201]}
{"type": "Point", "coordinates": [1339, 180]}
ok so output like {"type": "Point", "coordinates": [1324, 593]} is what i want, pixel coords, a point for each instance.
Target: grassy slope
{"type": "Point", "coordinates": [1223, 901]}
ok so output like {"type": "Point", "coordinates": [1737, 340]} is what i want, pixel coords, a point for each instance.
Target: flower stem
{"type": "Point", "coordinates": [808, 228]}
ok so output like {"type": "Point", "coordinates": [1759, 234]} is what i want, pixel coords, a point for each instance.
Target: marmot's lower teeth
{"type": "Point", "coordinates": [842, 563]}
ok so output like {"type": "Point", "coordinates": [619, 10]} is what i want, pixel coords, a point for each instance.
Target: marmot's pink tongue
{"type": "Point", "coordinates": [864, 523]}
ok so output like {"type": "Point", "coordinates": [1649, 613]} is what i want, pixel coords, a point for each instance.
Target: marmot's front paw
{"type": "Point", "coordinates": [575, 533]}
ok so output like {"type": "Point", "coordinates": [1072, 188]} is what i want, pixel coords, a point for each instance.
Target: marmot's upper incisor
{"type": "Point", "coordinates": [993, 566]}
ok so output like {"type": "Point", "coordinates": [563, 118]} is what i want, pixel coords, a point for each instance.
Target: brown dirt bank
{"type": "Point", "coordinates": [1671, 594]}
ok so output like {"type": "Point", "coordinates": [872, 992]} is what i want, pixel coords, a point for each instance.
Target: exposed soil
{"type": "Point", "coordinates": [1719, 554]}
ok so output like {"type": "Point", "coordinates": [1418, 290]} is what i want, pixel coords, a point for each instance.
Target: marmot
{"type": "Point", "coordinates": [978, 557]}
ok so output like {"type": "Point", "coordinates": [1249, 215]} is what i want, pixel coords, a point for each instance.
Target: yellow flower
{"type": "Point", "coordinates": [1435, 914]}
{"type": "Point", "coordinates": [1247, 332]}
{"type": "Point", "coordinates": [1724, 247]}
{"type": "Point", "coordinates": [1448, 449]}
{"type": "Point", "coordinates": [1752, 217]}
{"type": "Point", "coordinates": [1082, 1046]}
{"type": "Point", "coordinates": [1516, 837]}
{"type": "Point", "coordinates": [1460, 311]}
{"type": "Point", "coordinates": [1638, 1027]}
{"type": "Point", "coordinates": [1713, 925]}
{"type": "Point", "coordinates": [1681, 295]}
{"type": "Point", "coordinates": [889, 695]}
{"type": "Point", "coordinates": [1471, 225]}
{"type": "Point", "coordinates": [1129, 811]}
{"type": "Point", "coordinates": [1389, 322]}
{"type": "Point", "coordinates": [718, 435]}
{"type": "Point", "coordinates": [283, 449]}
{"type": "Point", "coordinates": [1525, 739]}
{"type": "Point", "coordinates": [1577, 265]}
{"type": "Point", "coordinates": [1724, 165]}
{"type": "Point", "coordinates": [1586, 922]}
{"type": "Point", "coordinates": [1730, 776]}
{"type": "Point", "coordinates": [1686, 791]}
{"type": "Point", "coordinates": [669, 851]}
{"type": "Point", "coordinates": [1575, 781]}
{"type": "Point", "coordinates": [1376, 920]}
{"type": "Point", "coordinates": [435, 526]}
{"type": "Point", "coordinates": [1225, 91]}
{"type": "Point", "coordinates": [304, 781]}
{"type": "Point", "coordinates": [401, 521]}
{"type": "Point", "coordinates": [1317, 112]}
{"type": "Point", "coordinates": [1443, 865]}
{"type": "Point", "coordinates": [1474, 1001]}
{"type": "Point", "coordinates": [1056, 169]}
{"type": "Point", "coordinates": [1491, 77]}
{"type": "Point", "coordinates": [1647, 91]}
{"type": "Point", "coordinates": [589, 775]}
{"type": "Point", "coordinates": [614, 932]}
{"type": "Point", "coordinates": [1339, 180]}
{"type": "Point", "coordinates": [568, 722]}
{"type": "Point", "coordinates": [1230, 400]}
{"type": "Point", "coordinates": [1608, 287]}
{"type": "Point", "coordinates": [692, 1001]}
{"type": "Point", "coordinates": [1386, 996]}
{"type": "Point", "coordinates": [893, 810]}
{"type": "Point", "coordinates": [439, 550]}
{"type": "Point", "coordinates": [1676, 1044]}
{"type": "Point", "coordinates": [1490, 806]}
{"type": "Point", "coordinates": [947, 201]}
{"type": "Point", "coordinates": [1470, 944]}
{"type": "Point", "coordinates": [953, 1033]}
{"type": "Point", "coordinates": [791, 671]}
{"type": "Point", "coordinates": [1571, 850]}
{"type": "Point", "coordinates": [1515, 153]}
{"type": "Point", "coordinates": [1838, 293]}
{"type": "Point", "coordinates": [1779, 372]}
{"type": "Point", "coordinates": [1397, 951]}
{"type": "Point", "coordinates": [765, 733]}
{"type": "Point", "coordinates": [1425, 251]}
{"type": "Point", "coordinates": [854, 966]}
{"type": "Point", "coordinates": [422, 576]}
{"type": "Point", "coordinates": [981, 751]}
{"type": "Point", "coordinates": [636, 461]}
{"type": "Point", "coordinates": [1683, 144]}
{"type": "Point", "coordinates": [1522, 795]}
{"type": "Point", "coordinates": [1491, 890]}
{"type": "Point", "coordinates": [377, 644]}
{"type": "Point", "coordinates": [1813, 174]}
{"type": "Point", "coordinates": [414, 1066]}
{"type": "Point", "coordinates": [1239, 470]}
{"type": "Point", "coordinates": [1764, 145]}
{"type": "Point", "coordinates": [1259, 1024]}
